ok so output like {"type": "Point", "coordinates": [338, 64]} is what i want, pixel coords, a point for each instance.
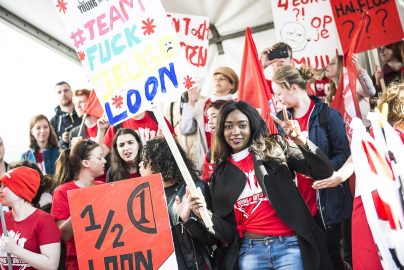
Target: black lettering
{"type": "Point", "coordinates": [128, 258]}
{"type": "Point", "coordinates": [111, 260]}
{"type": "Point", "coordinates": [139, 258]}
{"type": "Point", "coordinates": [139, 191]}
{"type": "Point", "coordinates": [339, 9]}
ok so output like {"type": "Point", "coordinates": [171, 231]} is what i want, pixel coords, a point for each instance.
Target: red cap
{"type": "Point", "coordinates": [23, 181]}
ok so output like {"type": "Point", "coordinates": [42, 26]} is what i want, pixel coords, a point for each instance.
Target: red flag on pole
{"type": "Point", "coordinates": [252, 86]}
{"type": "Point", "coordinates": [345, 99]}
{"type": "Point", "coordinates": [93, 106]}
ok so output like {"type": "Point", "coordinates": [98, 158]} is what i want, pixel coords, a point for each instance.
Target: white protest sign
{"type": "Point", "coordinates": [194, 41]}
{"type": "Point", "coordinates": [308, 26]}
{"type": "Point", "coordinates": [130, 52]}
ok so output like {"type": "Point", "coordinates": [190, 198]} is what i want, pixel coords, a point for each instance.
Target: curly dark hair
{"type": "Point", "coordinates": [268, 147]}
{"type": "Point", "coordinates": [158, 155]}
{"type": "Point", "coordinates": [119, 168]}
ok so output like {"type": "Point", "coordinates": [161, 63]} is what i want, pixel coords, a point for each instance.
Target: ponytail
{"type": "Point", "coordinates": [64, 170]}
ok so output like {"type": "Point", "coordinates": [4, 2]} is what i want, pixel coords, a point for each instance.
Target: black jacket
{"type": "Point", "coordinates": [335, 203]}
{"type": "Point", "coordinates": [276, 180]}
{"type": "Point", "coordinates": [192, 241]}
{"type": "Point", "coordinates": [62, 122]}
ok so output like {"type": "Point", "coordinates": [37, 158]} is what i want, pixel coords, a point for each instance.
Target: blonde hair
{"type": "Point", "coordinates": [394, 97]}
{"type": "Point", "coordinates": [288, 75]}
{"type": "Point", "coordinates": [333, 86]}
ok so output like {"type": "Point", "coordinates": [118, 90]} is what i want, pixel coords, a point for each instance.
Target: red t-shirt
{"type": "Point", "coordinates": [60, 211]}
{"type": "Point", "coordinates": [146, 127]}
{"type": "Point", "coordinates": [40, 160]}
{"type": "Point", "coordinates": [304, 183]}
{"type": "Point", "coordinates": [36, 230]}
{"type": "Point", "coordinates": [92, 132]}
{"type": "Point", "coordinates": [252, 209]}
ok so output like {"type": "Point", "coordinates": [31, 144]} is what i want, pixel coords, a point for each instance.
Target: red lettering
{"type": "Point", "coordinates": [196, 55]}
{"type": "Point", "coordinates": [283, 4]}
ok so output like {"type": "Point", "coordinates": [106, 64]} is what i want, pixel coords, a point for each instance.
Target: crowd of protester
{"type": "Point", "coordinates": [277, 201]}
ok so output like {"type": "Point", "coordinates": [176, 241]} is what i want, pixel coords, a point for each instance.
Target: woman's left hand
{"type": "Point", "coordinates": [355, 61]}
{"type": "Point", "coordinates": [291, 128]}
{"type": "Point", "coordinates": [334, 180]}
{"type": "Point", "coordinates": [8, 244]}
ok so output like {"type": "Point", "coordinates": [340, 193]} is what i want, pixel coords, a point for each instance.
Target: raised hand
{"type": "Point", "coordinates": [291, 128]}
{"type": "Point", "coordinates": [183, 207]}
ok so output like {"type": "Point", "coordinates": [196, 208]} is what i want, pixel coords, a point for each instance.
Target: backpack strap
{"type": "Point", "coordinates": [324, 118]}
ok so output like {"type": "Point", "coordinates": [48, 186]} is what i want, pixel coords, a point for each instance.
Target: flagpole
{"type": "Point", "coordinates": [82, 124]}
{"type": "Point", "coordinates": [3, 226]}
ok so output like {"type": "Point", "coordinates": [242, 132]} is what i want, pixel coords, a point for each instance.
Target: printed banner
{"type": "Point", "coordinates": [309, 28]}
{"type": "Point", "coordinates": [383, 24]}
{"type": "Point", "coordinates": [122, 225]}
{"type": "Point", "coordinates": [194, 40]}
{"type": "Point", "coordinates": [130, 51]}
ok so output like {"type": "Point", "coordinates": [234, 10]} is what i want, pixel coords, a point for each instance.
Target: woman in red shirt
{"type": "Point", "coordinates": [125, 155]}
{"type": "Point", "coordinates": [75, 168]}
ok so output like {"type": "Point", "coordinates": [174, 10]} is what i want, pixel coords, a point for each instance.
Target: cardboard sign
{"type": "Point", "coordinates": [383, 24]}
{"type": "Point", "coordinates": [309, 28]}
{"type": "Point", "coordinates": [194, 40]}
{"type": "Point", "coordinates": [130, 52]}
{"type": "Point", "coordinates": [122, 225]}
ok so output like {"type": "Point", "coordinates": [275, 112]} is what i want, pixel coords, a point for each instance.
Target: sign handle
{"type": "Point", "coordinates": [3, 226]}
{"type": "Point", "coordinates": [375, 57]}
{"type": "Point", "coordinates": [181, 164]}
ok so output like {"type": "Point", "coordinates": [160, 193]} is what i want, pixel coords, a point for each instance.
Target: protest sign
{"type": "Point", "coordinates": [383, 24]}
{"type": "Point", "coordinates": [309, 28]}
{"type": "Point", "coordinates": [130, 52]}
{"type": "Point", "coordinates": [194, 41]}
{"type": "Point", "coordinates": [122, 225]}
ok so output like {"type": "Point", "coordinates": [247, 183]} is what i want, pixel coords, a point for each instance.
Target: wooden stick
{"type": "Point", "coordinates": [180, 162]}
{"type": "Point", "coordinates": [3, 226]}
{"type": "Point", "coordinates": [375, 57]}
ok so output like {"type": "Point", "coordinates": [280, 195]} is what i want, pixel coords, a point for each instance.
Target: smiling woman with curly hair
{"type": "Point", "coordinates": [191, 239]}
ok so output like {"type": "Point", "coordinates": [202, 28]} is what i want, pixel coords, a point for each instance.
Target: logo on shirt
{"type": "Point", "coordinates": [17, 262]}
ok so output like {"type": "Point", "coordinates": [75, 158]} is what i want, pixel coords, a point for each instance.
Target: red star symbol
{"type": "Point", "coordinates": [117, 101]}
{"type": "Point", "coordinates": [62, 6]}
{"type": "Point", "coordinates": [188, 82]}
{"type": "Point", "coordinates": [148, 26]}
{"type": "Point", "coordinates": [81, 55]}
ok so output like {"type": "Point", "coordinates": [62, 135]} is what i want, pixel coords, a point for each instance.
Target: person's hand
{"type": "Point", "coordinates": [75, 140]}
{"type": "Point", "coordinates": [334, 180]}
{"type": "Point", "coordinates": [102, 123]}
{"type": "Point", "coordinates": [355, 61]}
{"type": "Point", "coordinates": [193, 95]}
{"type": "Point", "coordinates": [265, 62]}
{"type": "Point", "coordinates": [291, 128]}
{"type": "Point", "coordinates": [378, 75]}
{"type": "Point", "coordinates": [197, 202]}
{"type": "Point", "coordinates": [182, 206]}
{"type": "Point", "coordinates": [8, 244]}
{"type": "Point", "coordinates": [66, 136]}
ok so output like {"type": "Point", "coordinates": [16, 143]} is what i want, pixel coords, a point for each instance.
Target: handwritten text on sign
{"type": "Point", "coordinates": [383, 24]}
{"type": "Point", "coordinates": [125, 232]}
{"type": "Point", "coordinates": [194, 41]}
{"type": "Point", "coordinates": [308, 27]}
{"type": "Point", "coordinates": [130, 52]}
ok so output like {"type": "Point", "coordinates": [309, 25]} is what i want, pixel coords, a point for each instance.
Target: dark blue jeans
{"type": "Point", "coordinates": [280, 252]}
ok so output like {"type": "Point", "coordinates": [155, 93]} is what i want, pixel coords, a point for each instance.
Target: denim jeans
{"type": "Point", "coordinates": [280, 252]}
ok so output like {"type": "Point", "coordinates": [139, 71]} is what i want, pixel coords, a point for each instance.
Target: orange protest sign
{"type": "Point", "coordinates": [382, 27]}
{"type": "Point", "coordinates": [122, 225]}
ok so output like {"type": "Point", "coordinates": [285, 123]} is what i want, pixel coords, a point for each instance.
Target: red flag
{"type": "Point", "coordinates": [345, 99]}
{"type": "Point", "coordinates": [93, 106]}
{"type": "Point", "coordinates": [252, 86]}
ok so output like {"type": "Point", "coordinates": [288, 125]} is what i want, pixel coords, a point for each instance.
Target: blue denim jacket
{"type": "Point", "coordinates": [50, 156]}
